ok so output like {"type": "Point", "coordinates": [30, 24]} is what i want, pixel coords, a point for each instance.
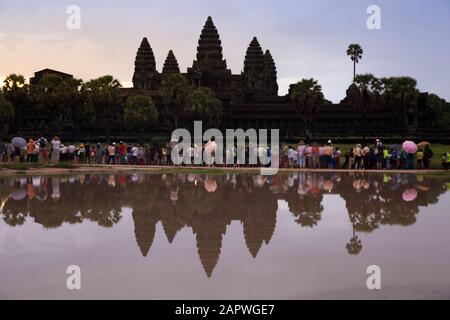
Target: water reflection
{"type": "Point", "coordinates": [208, 204]}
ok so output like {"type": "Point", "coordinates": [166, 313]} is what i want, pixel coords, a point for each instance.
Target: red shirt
{"type": "Point", "coordinates": [122, 149]}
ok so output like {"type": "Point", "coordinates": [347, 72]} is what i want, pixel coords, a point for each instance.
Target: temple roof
{"type": "Point", "coordinates": [144, 66]}
{"type": "Point", "coordinates": [209, 50]}
{"type": "Point", "coordinates": [145, 59]}
{"type": "Point", "coordinates": [269, 64]}
{"type": "Point", "coordinates": [171, 64]}
{"type": "Point", "coordinates": [254, 58]}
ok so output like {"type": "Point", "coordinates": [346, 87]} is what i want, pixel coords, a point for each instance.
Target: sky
{"type": "Point", "coordinates": [308, 39]}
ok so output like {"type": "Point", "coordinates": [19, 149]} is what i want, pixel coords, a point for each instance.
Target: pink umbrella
{"type": "Point", "coordinates": [410, 195]}
{"type": "Point", "coordinates": [410, 147]}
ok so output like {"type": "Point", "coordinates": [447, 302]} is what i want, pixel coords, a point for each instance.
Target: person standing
{"type": "Point", "coordinates": [315, 156]}
{"type": "Point", "coordinates": [31, 147]}
{"type": "Point", "coordinates": [43, 149]}
{"type": "Point", "coordinates": [56, 146]}
{"type": "Point", "coordinates": [301, 155]}
{"type": "Point", "coordinates": [427, 157]}
{"type": "Point", "coordinates": [446, 161]}
{"type": "Point", "coordinates": [337, 158]}
{"type": "Point", "coordinates": [328, 156]}
{"type": "Point", "coordinates": [111, 154]}
{"type": "Point", "coordinates": [420, 159]}
{"type": "Point", "coordinates": [134, 155]}
{"type": "Point", "coordinates": [358, 156]}
{"type": "Point", "coordinates": [291, 155]}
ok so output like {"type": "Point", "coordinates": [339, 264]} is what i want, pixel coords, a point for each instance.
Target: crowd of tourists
{"type": "Point", "coordinates": [360, 157]}
{"type": "Point", "coordinates": [376, 156]}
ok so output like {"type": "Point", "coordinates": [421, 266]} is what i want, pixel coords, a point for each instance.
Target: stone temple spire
{"type": "Point", "coordinates": [144, 67]}
{"type": "Point", "coordinates": [254, 65]}
{"type": "Point", "coordinates": [270, 74]}
{"type": "Point", "coordinates": [171, 64]}
{"type": "Point", "coordinates": [209, 50]}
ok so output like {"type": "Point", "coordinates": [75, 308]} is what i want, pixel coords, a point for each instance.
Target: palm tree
{"type": "Point", "coordinates": [355, 52]}
{"type": "Point", "coordinates": [354, 246]}
{"type": "Point", "coordinates": [308, 98]}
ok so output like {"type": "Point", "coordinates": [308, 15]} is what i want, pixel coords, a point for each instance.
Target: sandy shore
{"type": "Point", "coordinates": [108, 169]}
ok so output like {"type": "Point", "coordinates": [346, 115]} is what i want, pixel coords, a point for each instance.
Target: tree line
{"type": "Point", "coordinates": [56, 101]}
{"type": "Point", "coordinates": [366, 94]}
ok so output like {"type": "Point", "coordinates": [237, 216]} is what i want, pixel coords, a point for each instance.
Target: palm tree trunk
{"type": "Point", "coordinates": [354, 71]}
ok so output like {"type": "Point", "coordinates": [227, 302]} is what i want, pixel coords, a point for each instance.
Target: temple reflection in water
{"type": "Point", "coordinates": [209, 203]}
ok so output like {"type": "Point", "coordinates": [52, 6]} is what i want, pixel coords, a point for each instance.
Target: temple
{"type": "Point", "coordinates": [251, 99]}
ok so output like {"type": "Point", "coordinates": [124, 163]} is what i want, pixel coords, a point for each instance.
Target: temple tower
{"type": "Point", "coordinates": [145, 75]}
{"type": "Point", "coordinates": [254, 66]}
{"type": "Point", "coordinates": [270, 74]}
{"type": "Point", "coordinates": [171, 64]}
{"type": "Point", "coordinates": [210, 69]}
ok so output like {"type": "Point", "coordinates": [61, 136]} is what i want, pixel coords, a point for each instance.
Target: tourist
{"type": "Point", "coordinates": [43, 149]}
{"type": "Point", "coordinates": [410, 161]}
{"type": "Point", "coordinates": [419, 159]}
{"type": "Point", "coordinates": [111, 154]}
{"type": "Point", "coordinates": [210, 151]}
{"type": "Point", "coordinates": [56, 146]}
{"type": "Point", "coordinates": [336, 158]}
{"type": "Point", "coordinates": [301, 150]}
{"type": "Point", "coordinates": [92, 155]}
{"type": "Point", "coordinates": [63, 155]}
{"type": "Point", "coordinates": [71, 149]}
{"type": "Point", "coordinates": [82, 154]}
{"type": "Point", "coordinates": [100, 152]}
{"type": "Point", "coordinates": [446, 160]}
{"type": "Point", "coordinates": [134, 155]}
{"type": "Point", "coordinates": [395, 158]}
{"type": "Point", "coordinates": [365, 157]}
{"type": "Point", "coordinates": [321, 156]}
{"type": "Point", "coordinates": [427, 157]}
{"type": "Point", "coordinates": [358, 157]}
{"type": "Point", "coordinates": [87, 153]}
{"type": "Point", "coordinates": [403, 159]}
{"type": "Point", "coordinates": [386, 157]}
{"type": "Point", "coordinates": [378, 152]}
{"type": "Point", "coordinates": [291, 155]}
{"type": "Point", "coordinates": [308, 150]}
{"type": "Point", "coordinates": [31, 147]}
{"type": "Point", "coordinates": [347, 160]}
{"type": "Point", "coordinates": [328, 154]}
{"type": "Point", "coordinates": [315, 156]}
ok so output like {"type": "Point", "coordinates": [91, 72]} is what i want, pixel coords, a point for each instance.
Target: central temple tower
{"type": "Point", "coordinates": [210, 69]}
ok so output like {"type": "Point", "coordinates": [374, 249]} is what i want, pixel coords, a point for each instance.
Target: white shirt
{"type": "Point", "coordinates": [56, 144]}
{"type": "Point", "coordinates": [291, 154]}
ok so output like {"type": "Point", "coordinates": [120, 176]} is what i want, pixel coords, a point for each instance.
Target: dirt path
{"type": "Point", "coordinates": [155, 169]}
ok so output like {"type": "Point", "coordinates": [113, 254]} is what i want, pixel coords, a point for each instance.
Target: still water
{"type": "Point", "coordinates": [243, 236]}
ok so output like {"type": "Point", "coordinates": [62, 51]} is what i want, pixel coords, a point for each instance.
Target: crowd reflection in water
{"type": "Point", "coordinates": [208, 204]}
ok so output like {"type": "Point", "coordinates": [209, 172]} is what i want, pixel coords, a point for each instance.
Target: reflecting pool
{"type": "Point", "coordinates": [231, 236]}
